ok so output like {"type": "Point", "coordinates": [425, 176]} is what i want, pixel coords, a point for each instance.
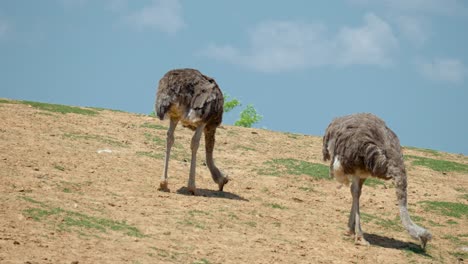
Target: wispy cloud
{"type": "Point", "coordinates": [436, 7]}
{"type": "Point", "coordinates": [448, 70]}
{"type": "Point", "coordinates": [413, 28]}
{"type": "Point", "coordinates": [4, 27]}
{"type": "Point", "coordinates": [287, 45]}
{"type": "Point", "coordinates": [163, 15]}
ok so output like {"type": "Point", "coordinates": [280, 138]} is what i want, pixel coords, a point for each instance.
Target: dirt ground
{"type": "Point", "coordinates": [80, 188]}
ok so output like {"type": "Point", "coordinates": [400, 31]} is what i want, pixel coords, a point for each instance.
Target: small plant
{"type": "Point", "coordinates": [248, 117]}
{"type": "Point", "coordinates": [230, 104]}
{"type": "Point", "coordinates": [438, 165]}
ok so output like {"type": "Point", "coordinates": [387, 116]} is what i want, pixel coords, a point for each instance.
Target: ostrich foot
{"type": "Point", "coordinates": [349, 233]}
{"type": "Point", "coordinates": [163, 187]}
{"type": "Point", "coordinates": [222, 182]}
{"type": "Point", "coordinates": [359, 240]}
{"type": "Point", "coordinates": [192, 190]}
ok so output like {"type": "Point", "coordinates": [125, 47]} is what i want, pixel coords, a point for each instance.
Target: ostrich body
{"type": "Point", "coordinates": [194, 99]}
{"type": "Point", "coordinates": [361, 146]}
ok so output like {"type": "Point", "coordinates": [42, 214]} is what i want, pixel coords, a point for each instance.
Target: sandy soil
{"type": "Point", "coordinates": [83, 189]}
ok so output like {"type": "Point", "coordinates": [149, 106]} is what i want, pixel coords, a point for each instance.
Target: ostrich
{"type": "Point", "coordinates": [361, 146]}
{"type": "Point", "coordinates": [195, 99]}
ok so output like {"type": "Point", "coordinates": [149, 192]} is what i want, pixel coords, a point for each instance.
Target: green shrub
{"type": "Point", "coordinates": [248, 117]}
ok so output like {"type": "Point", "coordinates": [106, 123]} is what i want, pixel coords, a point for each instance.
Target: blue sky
{"type": "Point", "coordinates": [300, 63]}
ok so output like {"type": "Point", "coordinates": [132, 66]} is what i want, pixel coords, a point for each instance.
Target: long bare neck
{"type": "Point", "coordinates": [417, 232]}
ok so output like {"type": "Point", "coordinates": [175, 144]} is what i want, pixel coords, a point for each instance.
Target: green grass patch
{"type": "Point", "coordinates": [438, 165]}
{"type": "Point", "coordinates": [276, 206]}
{"type": "Point", "coordinates": [150, 154]}
{"type": "Point", "coordinates": [386, 223]}
{"type": "Point", "coordinates": [3, 101]}
{"type": "Point", "coordinates": [202, 261]}
{"type": "Point", "coordinates": [154, 126]}
{"type": "Point", "coordinates": [59, 167]}
{"type": "Point", "coordinates": [103, 139]}
{"type": "Point", "coordinates": [292, 135]}
{"type": "Point", "coordinates": [105, 109]}
{"type": "Point", "coordinates": [306, 189]}
{"type": "Point", "coordinates": [372, 182]}
{"type": "Point", "coordinates": [251, 224]}
{"type": "Point", "coordinates": [155, 139]}
{"type": "Point", "coordinates": [425, 150]}
{"type": "Point", "coordinates": [366, 218]}
{"type": "Point", "coordinates": [457, 210]}
{"type": "Point", "coordinates": [432, 223]}
{"type": "Point", "coordinates": [193, 223]}
{"type": "Point", "coordinates": [457, 240]}
{"type": "Point", "coordinates": [451, 222]}
{"type": "Point", "coordinates": [277, 167]}
{"type": "Point", "coordinates": [74, 221]}
{"type": "Point", "coordinates": [245, 148]}
{"type": "Point", "coordinates": [58, 108]}
{"type": "Point", "coordinates": [459, 255]}
{"type": "Point", "coordinates": [197, 212]}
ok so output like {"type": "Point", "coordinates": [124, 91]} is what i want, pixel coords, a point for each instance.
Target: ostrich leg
{"type": "Point", "coordinates": [354, 222]}
{"type": "Point", "coordinates": [216, 174]}
{"type": "Point", "coordinates": [169, 142]}
{"type": "Point", "coordinates": [193, 163]}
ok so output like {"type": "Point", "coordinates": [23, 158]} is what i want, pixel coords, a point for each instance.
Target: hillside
{"type": "Point", "coordinates": [79, 185]}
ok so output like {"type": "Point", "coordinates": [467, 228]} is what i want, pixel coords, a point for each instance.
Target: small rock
{"type": "Point", "coordinates": [297, 200]}
{"type": "Point", "coordinates": [254, 132]}
{"type": "Point", "coordinates": [16, 243]}
{"type": "Point", "coordinates": [167, 233]}
{"type": "Point", "coordinates": [75, 262]}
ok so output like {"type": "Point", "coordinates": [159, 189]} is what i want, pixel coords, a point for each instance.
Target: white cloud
{"type": "Point", "coordinates": [287, 45]}
{"type": "Point", "coordinates": [415, 29]}
{"type": "Point", "coordinates": [369, 44]}
{"type": "Point", "coordinates": [163, 15]}
{"type": "Point", "coordinates": [449, 70]}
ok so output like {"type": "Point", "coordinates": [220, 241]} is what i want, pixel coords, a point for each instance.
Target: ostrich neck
{"type": "Point", "coordinates": [413, 229]}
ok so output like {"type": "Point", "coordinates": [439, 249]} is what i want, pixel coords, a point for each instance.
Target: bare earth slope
{"type": "Point", "coordinates": [82, 188]}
